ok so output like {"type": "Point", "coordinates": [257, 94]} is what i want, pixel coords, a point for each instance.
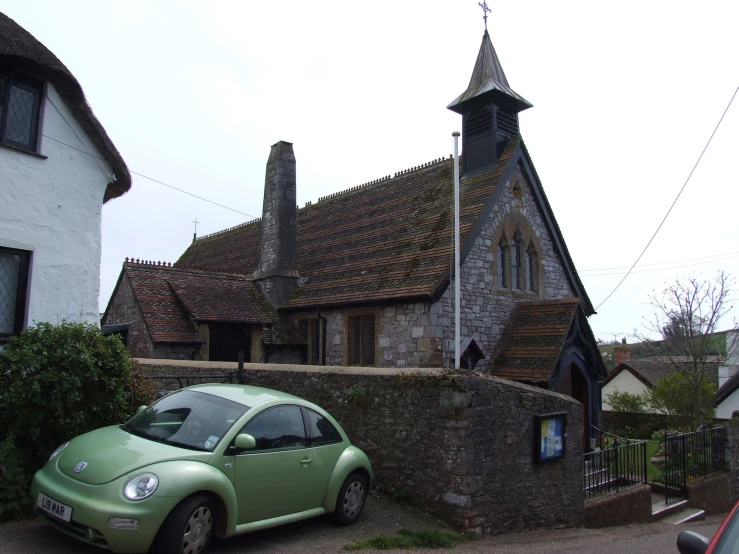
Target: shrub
{"type": "Point", "coordinates": [56, 381]}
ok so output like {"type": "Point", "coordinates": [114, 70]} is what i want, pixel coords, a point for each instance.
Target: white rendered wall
{"type": "Point", "coordinates": [623, 382]}
{"type": "Point", "coordinates": [52, 207]}
{"type": "Point", "coordinates": [727, 407]}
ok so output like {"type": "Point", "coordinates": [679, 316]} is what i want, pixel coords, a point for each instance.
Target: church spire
{"type": "Point", "coordinates": [489, 80]}
{"type": "Point", "coordinates": [489, 109]}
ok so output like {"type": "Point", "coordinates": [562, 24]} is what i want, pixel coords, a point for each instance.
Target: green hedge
{"type": "Point", "coordinates": [56, 382]}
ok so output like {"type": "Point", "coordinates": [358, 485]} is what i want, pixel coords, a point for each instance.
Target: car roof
{"type": "Point", "coordinates": [244, 394]}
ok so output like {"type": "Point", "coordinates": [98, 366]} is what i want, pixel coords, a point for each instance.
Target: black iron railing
{"type": "Point", "coordinates": [615, 467]}
{"type": "Point", "coordinates": [690, 456]}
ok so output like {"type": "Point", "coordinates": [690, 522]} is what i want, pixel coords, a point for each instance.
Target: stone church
{"type": "Point", "coordinates": [364, 276]}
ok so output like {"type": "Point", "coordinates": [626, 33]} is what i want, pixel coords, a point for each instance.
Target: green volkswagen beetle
{"type": "Point", "coordinates": [206, 461]}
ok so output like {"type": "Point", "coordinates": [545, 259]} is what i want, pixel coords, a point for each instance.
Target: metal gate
{"type": "Point", "coordinates": [689, 456]}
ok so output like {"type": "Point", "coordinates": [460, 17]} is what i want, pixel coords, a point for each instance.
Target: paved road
{"type": "Point", "coordinates": [322, 535]}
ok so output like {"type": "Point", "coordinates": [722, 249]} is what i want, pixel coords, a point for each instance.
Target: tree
{"type": "Point", "coordinates": [673, 396]}
{"type": "Point", "coordinates": [687, 317]}
{"type": "Point", "coordinates": [627, 402]}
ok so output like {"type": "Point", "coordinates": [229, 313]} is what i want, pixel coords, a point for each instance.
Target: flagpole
{"type": "Point", "coordinates": [457, 353]}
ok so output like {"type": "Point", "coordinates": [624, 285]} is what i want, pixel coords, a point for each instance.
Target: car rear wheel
{"type": "Point", "coordinates": [351, 500]}
{"type": "Point", "coordinates": [188, 529]}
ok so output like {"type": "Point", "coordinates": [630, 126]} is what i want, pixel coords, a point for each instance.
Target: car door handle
{"type": "Point", "coordinates": [306, 461]}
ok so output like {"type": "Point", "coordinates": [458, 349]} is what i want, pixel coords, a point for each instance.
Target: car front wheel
{"type": "Point", "coordinates": [188, 529]}
{"type": "Point", "coordinates": [351, 500]}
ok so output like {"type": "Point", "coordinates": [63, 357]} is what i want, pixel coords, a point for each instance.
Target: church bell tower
{"type": "Point", "coordinates": [489, 109]}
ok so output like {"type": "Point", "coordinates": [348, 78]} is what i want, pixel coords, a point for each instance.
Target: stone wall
{"type": "Point", "coordinates": [732, 459]}
{"type": "Point", "coordinates": [124, 309]}
{"type": "Point", "coordinates": [422, 333]}
{"type": "Point", "coordinates": [712, 493]}
{"type": "Point", "coordinates": [460, 443]}
{"type": "Point", "coordinates": [631, 505]}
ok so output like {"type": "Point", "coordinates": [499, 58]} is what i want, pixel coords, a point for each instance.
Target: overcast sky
{"type": "Point", "coordinates": [625, 97]}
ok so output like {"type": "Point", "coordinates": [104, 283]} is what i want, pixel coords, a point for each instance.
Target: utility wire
{"type": "Point", "coordinates": [675, 201]}
{"type": "Point", "coordinates": [149, 178]}
{"type": "Point", "coordinates": [663, 268]}
{"type": "Point", "coordinates": [581, 271]}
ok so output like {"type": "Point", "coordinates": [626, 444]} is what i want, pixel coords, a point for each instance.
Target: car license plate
{"type": "Point", "coordinates": [54, 508]}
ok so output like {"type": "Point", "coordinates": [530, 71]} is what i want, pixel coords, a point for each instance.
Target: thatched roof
{"type": "Point", "coordinates": [20, 50]}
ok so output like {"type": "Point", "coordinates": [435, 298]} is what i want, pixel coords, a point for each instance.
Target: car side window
{"type": "Point", "coordinates": [321, 430]}
{"type": "Point", "coordinates": [277, 428]}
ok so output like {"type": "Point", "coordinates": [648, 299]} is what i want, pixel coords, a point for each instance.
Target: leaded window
{"type": "Point", "coordinates": [503, 265]}
{"type": "Point", "coordinates": [20, 102]}
{"type": "Point", "coordinates": [532, 270]}
{"type": "Point", "coordinates": [13, 287]}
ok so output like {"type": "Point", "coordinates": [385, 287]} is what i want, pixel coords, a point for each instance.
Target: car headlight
{"type": "Point", "coordinates": [140, 487]}
{"type": "Point", "coordinates": [56, 452]}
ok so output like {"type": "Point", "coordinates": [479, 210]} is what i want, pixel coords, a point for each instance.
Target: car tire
{"type": "Point", "coordinates": [351, 500]}
{"type": "Point", "coordinates": [188, 528]}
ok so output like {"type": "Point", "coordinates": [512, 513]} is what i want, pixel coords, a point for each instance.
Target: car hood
{"type": "Point", "coordinates": [110, 452]}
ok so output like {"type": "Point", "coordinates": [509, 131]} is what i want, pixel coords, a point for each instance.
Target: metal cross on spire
{"type": "Point", "coordinates": [195, 234]}
{"type": "Point", "coordinates": [485, 12]}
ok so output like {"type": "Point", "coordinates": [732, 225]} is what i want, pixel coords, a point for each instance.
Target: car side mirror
{"type": "Point", "coordinates": [689, 542]}
{"type": "Point", "coordinates": [140, 409]}
{"type": "Point", "coordinates": [244, 441]}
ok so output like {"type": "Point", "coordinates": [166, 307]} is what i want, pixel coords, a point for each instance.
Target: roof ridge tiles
{"type": "Point", "coordinates": [181, 268]}
{"type": "Point", "coordinates": [380, 180]}
{"type": "Point", "coordinates": [229, 229]}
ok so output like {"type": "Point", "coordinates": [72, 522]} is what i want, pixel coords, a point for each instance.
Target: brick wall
{"type": "Point", "coordinates": [460, 443]}
{"type": "Point", "coordinates": [631, 505]}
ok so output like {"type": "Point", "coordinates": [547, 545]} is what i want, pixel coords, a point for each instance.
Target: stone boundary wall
{"type": "Point", "coordinates": [732, 459]}
{"type": "Point", "coordinates": [712, 493]}
{"type": "Point", "coordinates": [631, 505]}
{"type": "Point", "coordinates": [460, 443]}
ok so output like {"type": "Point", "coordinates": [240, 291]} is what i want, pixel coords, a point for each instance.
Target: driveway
{"type": "Point", "coordinates": [321, 535]}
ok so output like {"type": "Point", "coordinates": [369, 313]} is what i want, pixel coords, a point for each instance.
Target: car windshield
{"type": "Point", "coordinates": [187, 418]}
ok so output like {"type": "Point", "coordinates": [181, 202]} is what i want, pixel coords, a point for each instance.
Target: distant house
{"type": "Point", "coordinates": [640, 376]}
{"type": "Point", "coordinates": [364, 277]}
{"type": "Point", "coordinates": [58, 167]}
{"type": "Point", "coordinates": [727, 396]}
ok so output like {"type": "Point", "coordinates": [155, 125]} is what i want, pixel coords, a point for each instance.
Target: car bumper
{"type": "Point", "coordinates": [92, 507]}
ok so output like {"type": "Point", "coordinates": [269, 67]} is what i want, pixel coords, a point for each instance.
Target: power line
{"type": "Point", "coordinates": [149, 178]}
{"type": "Point", "coordinates": [674, 201]}
{"type": "Point", "coordinates": [662, 268]}
{"type": "Point", "coordinates": [581, 271]}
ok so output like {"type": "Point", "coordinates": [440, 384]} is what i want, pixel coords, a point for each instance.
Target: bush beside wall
{"type": "Point", "coordinates": [460, 443]}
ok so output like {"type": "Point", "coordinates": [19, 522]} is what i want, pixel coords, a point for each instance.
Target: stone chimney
{"type": "Point", "coordinates": [277, 273]}
{"type": "Point", "coordinates": [622, 353]}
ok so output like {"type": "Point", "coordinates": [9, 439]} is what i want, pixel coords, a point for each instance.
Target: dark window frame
{"type": "Point", "coordinates": [19, 80]}
{"type": "Point", "coordinates": [306, 421]}
{"type": "Point", "coordinates": [306, 432]}
{"type": "Point", "coordinates": [21, 298]}
{"type": "Point", "coordinates": [363, 319]}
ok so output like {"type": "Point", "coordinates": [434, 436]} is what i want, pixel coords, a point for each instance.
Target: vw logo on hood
{"type": "Point", "coordinates": [80, 466]}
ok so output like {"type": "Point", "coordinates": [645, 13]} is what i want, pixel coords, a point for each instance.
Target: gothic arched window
{"type": "Point", "coordinates": [517, 253]}
{"type": "Point", "coordinates": [503, 258]}
{"type": "Point", "coordinates": [532, 280]}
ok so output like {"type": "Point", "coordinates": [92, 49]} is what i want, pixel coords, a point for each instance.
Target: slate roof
{"type": "Point", "coordinates": [170, 298]}
{"type": "Point", "coordinates": [21, 51]}
{"type": "Point", "coordinates": [652, 369]}
{"type": "Point", "coordinates": [533, 339]}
